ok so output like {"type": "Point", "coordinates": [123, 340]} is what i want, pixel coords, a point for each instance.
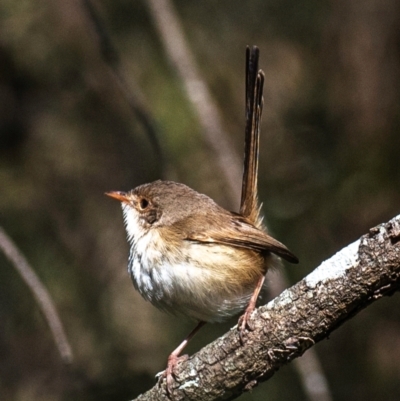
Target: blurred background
{"type": "Point", "coordinates": [329, 170]}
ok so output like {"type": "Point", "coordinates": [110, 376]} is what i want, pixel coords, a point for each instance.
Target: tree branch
{"type": "Point", "coordinates": [40, 293]}
{"type": "Point", "coordinates": [286, 327]}
{"type": "Point", "coordinates": [129, 89]}
{"type": "Point", "coordinates": [178, 52]}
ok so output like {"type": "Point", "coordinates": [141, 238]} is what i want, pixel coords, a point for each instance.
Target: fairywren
{"type": "Point", "coordinates": [190, 256]}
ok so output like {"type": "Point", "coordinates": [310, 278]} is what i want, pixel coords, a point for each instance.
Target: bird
{"type": "Point", "coordinates": [191, 257]}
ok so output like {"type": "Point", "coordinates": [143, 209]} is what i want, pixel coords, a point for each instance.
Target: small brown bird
{"type": "Point", "coordinates": [190, 256]}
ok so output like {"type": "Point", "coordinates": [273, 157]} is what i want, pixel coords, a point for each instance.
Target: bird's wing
{"type": "Point", "coordinates": [240, 233]}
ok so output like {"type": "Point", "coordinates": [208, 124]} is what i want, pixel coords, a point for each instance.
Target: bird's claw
{"type": "Point", "coordinates": [244, 324]}
{"type": "Point", "coordinates": [168, 373]}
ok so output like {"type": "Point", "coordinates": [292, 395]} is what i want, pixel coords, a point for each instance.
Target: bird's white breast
{"type": "Point", "coordinates": [179, 281]}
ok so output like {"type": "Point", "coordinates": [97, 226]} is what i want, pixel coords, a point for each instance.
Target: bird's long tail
{"type": "Point", "coordinates": [249, 206]}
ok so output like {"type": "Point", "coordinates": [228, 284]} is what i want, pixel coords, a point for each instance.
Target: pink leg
{"type": "Point", "coordinates": [174, 358]}
{"type": "Point", "coordinates": [244, 319]}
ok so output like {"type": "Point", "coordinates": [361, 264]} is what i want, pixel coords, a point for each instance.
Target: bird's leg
{"type": "Point", "coordinates": [174, 358]}
{"type": "Point", "coordinates": [245, 318]}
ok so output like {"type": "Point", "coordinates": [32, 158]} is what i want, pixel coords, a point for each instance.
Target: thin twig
{"type": "Point", "coordinates": [311, 374]}
{"type": "Point", "coordinates": [171, 33]}
{"type": "Point", "coordinates": [131, 92]}
{"type": "Point", "coordinates": [39, 292]}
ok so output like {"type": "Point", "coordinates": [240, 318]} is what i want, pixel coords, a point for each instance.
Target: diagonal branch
{"type": "Point", "coordinates": [40, 292]}
{"type": "Point", "coordinates": [130, 91]}
{"type": "Point", "coordinates": [286, 327]}
{"type": "Point", "coordinates": [178, 52]}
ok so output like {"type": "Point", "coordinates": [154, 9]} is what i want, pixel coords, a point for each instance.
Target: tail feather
{"type": "Point", "coordinates": [249, 206]}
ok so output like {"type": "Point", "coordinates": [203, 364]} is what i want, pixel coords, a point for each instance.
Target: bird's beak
{"type": "Point", "coordinates": [121, 196]}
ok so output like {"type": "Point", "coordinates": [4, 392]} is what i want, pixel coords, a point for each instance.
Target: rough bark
{"type": "Point", "coordinates": [302, 315]}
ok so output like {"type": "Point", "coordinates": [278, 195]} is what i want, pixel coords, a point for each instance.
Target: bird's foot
{"type": "Point", "coordinates": [244, 323]}
{"type": "Point", "coordinates": [168, 373]}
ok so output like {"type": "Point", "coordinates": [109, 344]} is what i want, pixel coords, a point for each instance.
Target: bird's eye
{"type": "Point", "coordinates": [143, 203]}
